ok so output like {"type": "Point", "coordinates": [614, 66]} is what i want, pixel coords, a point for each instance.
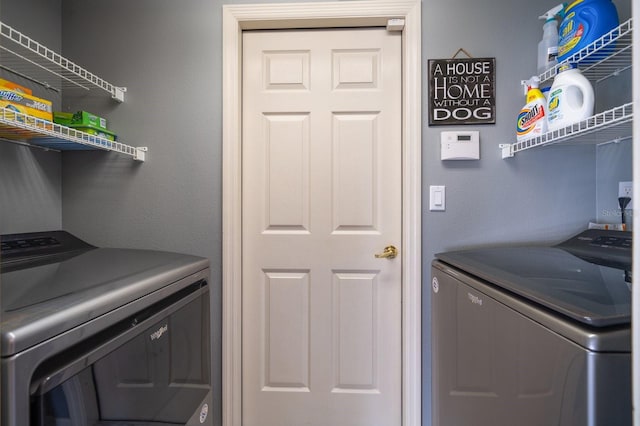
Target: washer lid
{"type": "Point", "coordinates": [50, 296]}
{"type": "Point", "coordinates": [590, 293]}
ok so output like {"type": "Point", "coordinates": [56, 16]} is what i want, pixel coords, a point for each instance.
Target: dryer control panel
{"type": "Point", "coordinates": [34, 246]}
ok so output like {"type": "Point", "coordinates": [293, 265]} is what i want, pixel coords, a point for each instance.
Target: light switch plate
{"type": "Point", "coordinates": [437, 198]}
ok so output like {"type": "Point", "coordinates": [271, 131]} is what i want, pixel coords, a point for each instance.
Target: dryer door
{"type": "Point", "coordinates": [153, 367]}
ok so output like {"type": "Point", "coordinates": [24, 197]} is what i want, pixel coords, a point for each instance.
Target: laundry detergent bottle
{"type": "Point", "coordinates": [584, 22]}
{"type": "Point", "coordinates": [571, 98]}
{"type": "Point", "coordinates": [532, 119]}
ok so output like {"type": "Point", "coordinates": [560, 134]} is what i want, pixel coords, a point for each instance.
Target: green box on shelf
{"type": "Point", "coordinates": [95, 131]}
{"type": "Point", "coordinates": [63, 118]}
{"type": "Point", "coordinates": [85, 118]}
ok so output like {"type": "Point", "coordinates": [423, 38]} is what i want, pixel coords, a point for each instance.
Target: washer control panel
{"type": "Point", "coordinates": [602, 247]}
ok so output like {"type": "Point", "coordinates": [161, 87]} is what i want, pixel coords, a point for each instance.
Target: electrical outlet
{"type": "Point", "coordinates": [625, 189]}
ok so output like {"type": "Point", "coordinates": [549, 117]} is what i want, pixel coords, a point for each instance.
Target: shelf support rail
{"type": "Point", "coordinates": [51, 57]}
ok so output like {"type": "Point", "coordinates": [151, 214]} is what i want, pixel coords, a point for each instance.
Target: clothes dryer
{"type": "Point", "coordinates": [100, 336]}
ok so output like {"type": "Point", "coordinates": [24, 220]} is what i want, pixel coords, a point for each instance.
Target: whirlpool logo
{"type": "Point", "coordinates": [159, 332]}
{"type": "Point", "coordinates": [474, 299]}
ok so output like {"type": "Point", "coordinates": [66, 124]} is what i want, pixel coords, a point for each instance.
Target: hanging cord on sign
{"type": "Point", "coordinates": [463, 51]}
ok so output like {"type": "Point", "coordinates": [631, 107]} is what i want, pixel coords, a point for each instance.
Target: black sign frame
{"type": "Point", "coordinates": [462, 91]}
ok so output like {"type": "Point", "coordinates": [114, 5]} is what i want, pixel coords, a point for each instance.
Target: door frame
{"type": "Point", "coordinates": [362, 13]}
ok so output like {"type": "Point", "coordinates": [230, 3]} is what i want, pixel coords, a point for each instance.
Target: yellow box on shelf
{"type": "Point", "coordinates": [25, 104]}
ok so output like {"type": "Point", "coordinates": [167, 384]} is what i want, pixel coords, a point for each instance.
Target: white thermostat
{"type": "Point", "coordinates": [460, 145]}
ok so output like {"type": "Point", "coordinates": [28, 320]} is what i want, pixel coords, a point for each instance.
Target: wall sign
{"type": "Point", "coordinates": [462, 91]}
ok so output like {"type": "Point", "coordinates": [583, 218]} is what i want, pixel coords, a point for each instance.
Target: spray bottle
{"type": "Point", "coordinates": [548, 46]}
{"type": "Point", "coordinates": [532, 119]}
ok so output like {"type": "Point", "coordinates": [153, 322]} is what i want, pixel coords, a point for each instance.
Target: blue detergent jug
{"type": "Point", "coordinates": [584, 22]}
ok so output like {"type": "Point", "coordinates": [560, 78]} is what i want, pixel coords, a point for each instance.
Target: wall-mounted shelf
{"type": "Point", "coordinates": [606, 57]}
{"type": "Point", "coordinates": [26, 57]}
{"type": "Point", "coordinates": [613, 125]}
{"type": "Point", "coordinates": [32, 131]}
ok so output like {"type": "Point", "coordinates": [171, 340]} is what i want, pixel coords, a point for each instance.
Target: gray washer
{"type": "Point", "coordinates": [533, 336]}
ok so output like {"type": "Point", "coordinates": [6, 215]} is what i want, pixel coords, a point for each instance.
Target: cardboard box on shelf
{"type": "Point", "coordinates": [15, 86]}
{"type": "Point", "coordinates": [25, 104]}
{"type": "Point", "coordinates": [64, 118]}
{"type": "Point", "coordinates": [88, 119]}
{"type": "Point", "coordinates": [101, 133]}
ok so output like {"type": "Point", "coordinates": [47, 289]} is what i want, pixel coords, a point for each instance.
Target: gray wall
{"type": "Point", "coordinates": [168, 54]}
{"type": "Point", "coordinates": [164, 52]}
{"type": "Point", "coordinates": [614, 161]}
{"type": "Point", "coordinates": [30, 179]}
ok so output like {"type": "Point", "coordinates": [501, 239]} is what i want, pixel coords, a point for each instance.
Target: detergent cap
{"type": "Point", "coordinates": [567, 66]}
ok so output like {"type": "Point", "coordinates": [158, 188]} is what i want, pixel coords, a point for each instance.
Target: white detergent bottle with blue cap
{"type": "Point", "coordinates": [571, 98]}
{"type": "Point", "coordinates": [548, 46]}
{"type": "Point", "coordinates": [532, 119]}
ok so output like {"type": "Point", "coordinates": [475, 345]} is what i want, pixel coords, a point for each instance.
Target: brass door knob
{"type": "Point", "coordinates": [390, 252]}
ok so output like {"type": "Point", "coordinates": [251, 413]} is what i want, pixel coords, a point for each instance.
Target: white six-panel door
{"type": "Point", "coordinates": [321, 182]}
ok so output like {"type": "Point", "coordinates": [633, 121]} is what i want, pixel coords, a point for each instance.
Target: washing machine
{"type": "Point", "coordinates": [102, 336]}
{"type": "Point", "coordinates": [533, 335]}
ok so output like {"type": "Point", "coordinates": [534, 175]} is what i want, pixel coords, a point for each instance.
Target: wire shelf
{"type": "Point", "coordinates": [605, 57]}
{"type": "Point", "coordinates": [613, 125]}
{"type": "Point", "coordinates": [26, 57]}
{"type": "Point", "coordinates": [27, 130]}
